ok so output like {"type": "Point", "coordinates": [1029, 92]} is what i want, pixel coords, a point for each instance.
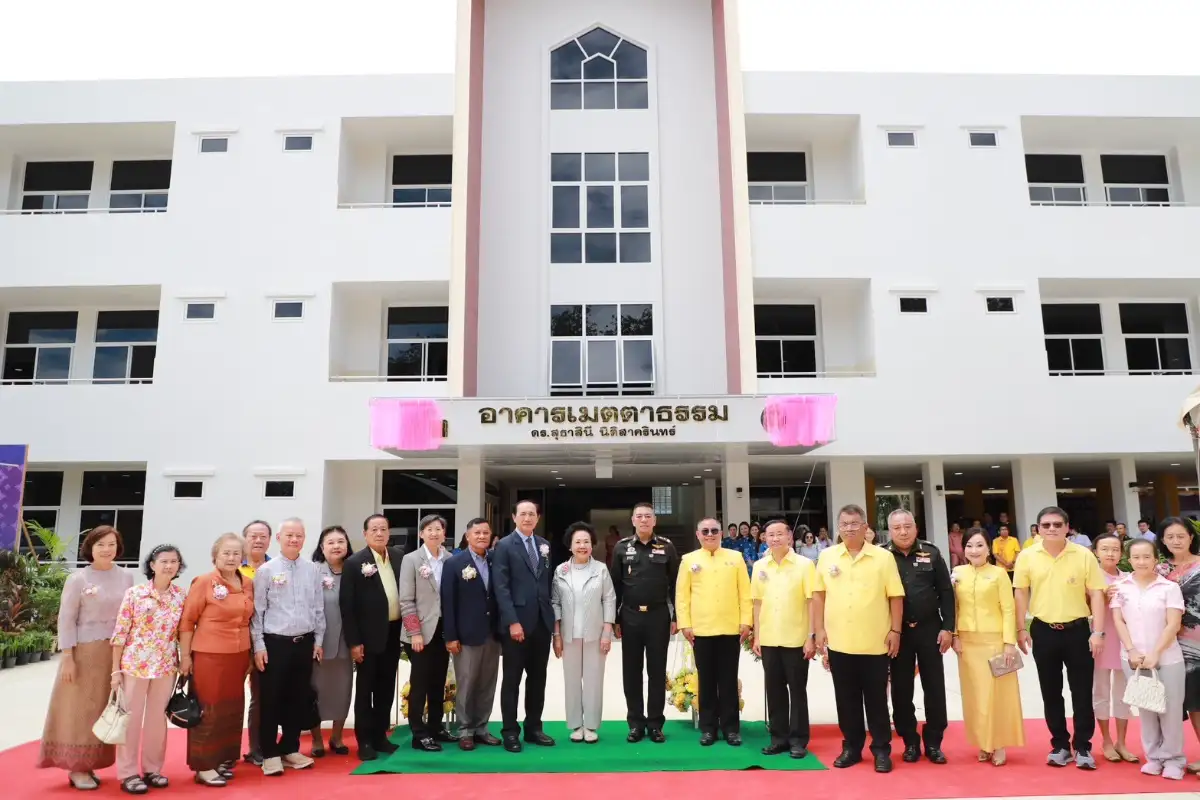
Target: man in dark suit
{"type": "Point", "coordinates": [370, 603]}
{"type": "Point", "coordinates": [521, 581]}
{"type": "Point", "coordinates": [469, 627]}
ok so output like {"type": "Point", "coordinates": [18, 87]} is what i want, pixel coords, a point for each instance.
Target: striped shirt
{"type": "Point", "coordinates": [288, 601]}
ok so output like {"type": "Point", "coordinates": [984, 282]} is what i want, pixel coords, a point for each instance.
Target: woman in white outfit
{"type": "Point", "coordinates": [585, 607]}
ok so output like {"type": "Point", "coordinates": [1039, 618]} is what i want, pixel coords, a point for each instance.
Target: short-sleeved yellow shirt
{"type": "Point", "coordinates": [784, 589]}
{"type": "Point", "coordinates": [1059, 585]}
{"type": "Point", "coordinates": [857, 591]}
{"type": "Point", "coordinates": [1006, 548]}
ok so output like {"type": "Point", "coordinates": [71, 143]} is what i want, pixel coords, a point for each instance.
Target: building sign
{"type": "Point", "coordinates": [13, 458]}
{"type": "Point", "coordinates": [588, 421]}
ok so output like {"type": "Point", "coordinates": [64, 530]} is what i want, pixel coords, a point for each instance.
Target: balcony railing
{"type": "Point", "coordinates": [778, 194]}
{"type": "Point", "coordinates": [411, 197]}
{"type": "Point", "coordinates": [123, 203]}
{"type": "Point", "coordinates": [1045, 194]}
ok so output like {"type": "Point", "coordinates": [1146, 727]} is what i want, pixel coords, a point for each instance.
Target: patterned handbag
{"type": "Point", "coordinates": [110, 728]}
{"type": "Point", "coordinates": [1146, 692]}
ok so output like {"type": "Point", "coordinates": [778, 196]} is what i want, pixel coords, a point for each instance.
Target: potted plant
{"type": "Point", "coordinates": [3, 655]}
{"type": "Point", "coordinates": [46, 643]}
{"type": "Point", "coordinates": [23, 654]}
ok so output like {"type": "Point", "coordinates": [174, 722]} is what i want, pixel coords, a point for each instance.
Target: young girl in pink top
{"type": "Point", "coordinates": [1108, 681]}
{"type": "Point", "coordinates": [1148, 610]}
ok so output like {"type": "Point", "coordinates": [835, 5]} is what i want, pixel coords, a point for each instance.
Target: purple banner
{"type": "Point", "coordinates": [12, 487]}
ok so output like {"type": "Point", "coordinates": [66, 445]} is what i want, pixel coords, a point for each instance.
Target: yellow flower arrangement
{"type": "Point", "coordinates": [447, 698]}
{"type": "Point", "coordinates": [683, 691]}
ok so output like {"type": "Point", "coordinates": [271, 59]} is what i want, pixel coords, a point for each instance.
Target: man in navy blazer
{"type": "Point", "coordinates": [469, 627]}
{"type": "Point", "coordinates": [521, 580]}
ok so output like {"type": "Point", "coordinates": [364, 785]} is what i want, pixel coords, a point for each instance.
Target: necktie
{"type": "Point", "coordinates": [533, 559]}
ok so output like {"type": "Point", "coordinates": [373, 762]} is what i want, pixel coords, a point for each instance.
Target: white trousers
{"type": "Point", "coordinates": [583, 676]}
{"type": "Point", "coordinates": [1162, 734]}
{"type": "Point", "coordinates": [1108, 694]}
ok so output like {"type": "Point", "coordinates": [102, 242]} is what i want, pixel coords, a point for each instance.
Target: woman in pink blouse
{"type": "Point", "coordinates": [957, 556]}
{"type": "Point", "coordinates": [145, 661]}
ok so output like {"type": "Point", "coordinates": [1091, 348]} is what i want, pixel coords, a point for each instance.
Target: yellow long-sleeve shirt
{"type": "Point", "coordinates": [712, 593]}
{"type": "Point", "coordinates": [985, 601]}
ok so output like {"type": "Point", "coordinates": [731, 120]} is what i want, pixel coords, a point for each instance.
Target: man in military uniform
{"type": "Point", "coordinates": [924, 638]}
{"type": "Point", "coordinates": [644, 567]}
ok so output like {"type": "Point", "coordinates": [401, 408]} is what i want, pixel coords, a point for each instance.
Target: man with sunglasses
{"type": "Point", "coordinates": [1066, 585]}
{"type": "Point", "coordinates": [713, 608]}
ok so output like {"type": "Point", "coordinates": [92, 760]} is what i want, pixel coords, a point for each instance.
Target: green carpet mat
{"type": "Point", "coordinates": [681, 753]}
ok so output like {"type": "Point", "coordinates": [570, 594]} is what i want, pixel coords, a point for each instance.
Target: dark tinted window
{"type": "Point", "coordinates": [913, 305]}
{"type": "Point", "coordinates": [403, 488]}
{"type": "Point", "coordinates": [127, 326]}
{"type": "Point", "coordinates": [1064, 319]}
{"type": "Point", "coordinates": [776, 167]}
{"type": "Point", "coordinates": [602, 320]}
{"type": "Point", "coordinates": [1000, 305]}
{"type": "Point", "coordinates": [42, 327]}
{"type": "Point", "coordinates": [58, 176]}
{"type": "Point", "coordinates": [43, 489]}
{"type": "Point", "coordinates": [773, 320]}
{"type": "Point", "coordinates": [1054, 168]}
{"type": "Point", "coordinates": [115, 488]}
{"type": "Point", "coordinates": [1134, 169]}
{"type": "Point", "coordinates": [189, 489]}
{"type": "Point", "coordinates": [420, 322]}
{"type": "Point", "coordinates": [279, 489]}
{"type": "Point", "coordinates": [1153, 318]}
{"type": "Point", "coordinates": [436, 170]}
{"type": "Point", "coordinates": [201, 310]}
{"type": "Point", "coordinates": [566, 320]}
{"type": "Point", "coordinates": [128, 521]}
{"type": "Point", "coordinates": [637, 320]}
{"type": "Point", "coordinates": [137, 175]}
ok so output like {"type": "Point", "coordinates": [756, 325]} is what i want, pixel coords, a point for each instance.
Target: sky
{"type": "Point", "coordinates": [116, 39]}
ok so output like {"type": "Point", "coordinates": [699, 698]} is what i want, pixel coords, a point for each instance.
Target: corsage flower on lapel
{"type": "Point", "coordinates": [327, 581]}
{"type": "Point", "coordinates": [219, 591]}
{"type": "Point", "coordinates": [369, 569]}
{"type": "Point", "coordinates": [91, 590]}
{"type": "Point", "coordinates": [696, 567]}
{"type": "Point", "coordinates": [280, 579]}
{"type": "Point", "coordinates": [566, 569]}
{"type": "Point", "coordinates": [469, 573]}
{"type": "Point", "coordinates": [762, 575]}
{"type": "Point", "coordinates": [425, 571]}
{"type": "Point", "coordinates": [544, 550]}
{"type": "Point", "coordinates": [834, 571]}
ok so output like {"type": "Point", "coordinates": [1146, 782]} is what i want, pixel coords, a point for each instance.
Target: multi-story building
{"type": "Point", "coordinates": [205, 283]}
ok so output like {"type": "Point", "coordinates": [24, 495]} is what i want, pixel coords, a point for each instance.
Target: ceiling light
{"type": "Point", "coordinates": [918, 480]}
{"type": "Point", "coordinates": [888, 486]}
{"type": "Point", "coordinates": [553, 471]}
{"type": "Point", "coordinates": [995, 466]}
{"type": "Point", "coordinates": [808, 481]}
{"type": "Point", "coordinates": [1066, 479]}
{"type": "Point", "coordinates": [708, 470]}
{"type": "Point", "coordinates": [1174, 465]}
{"type": "Point", "coordinates": [958, 473]}
{"type": "Point", "coordinates": [685, 483]}
{"type": "Point", "coordinates": [697, 477]}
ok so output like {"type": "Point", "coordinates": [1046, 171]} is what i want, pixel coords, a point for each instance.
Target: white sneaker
{"type": "Point", "coordinates": [297, 761]}
{"type": "Point", "coordinates": [272, 766]}
{"type": "Point", "coordinates": [590, 737]}
{"type": "Point", "coordinates": [577, 735]}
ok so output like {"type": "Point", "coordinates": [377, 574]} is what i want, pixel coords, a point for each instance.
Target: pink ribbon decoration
{"type": "Point", "coordinates": [400, 424]}
{"type": "Point", "coordinates": [803, 420]}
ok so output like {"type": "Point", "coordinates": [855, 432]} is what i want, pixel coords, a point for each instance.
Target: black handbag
{"type": "Point", "coordinates": [183, 710]}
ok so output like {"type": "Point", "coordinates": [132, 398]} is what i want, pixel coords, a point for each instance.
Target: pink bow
{"type": "Point", "coordinates": [401, 424]}
{"type": "Point", "coordinates": [804, 420]}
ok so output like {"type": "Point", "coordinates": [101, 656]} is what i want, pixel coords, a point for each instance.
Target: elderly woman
{"type": "Point", "coordinates": [214, 649]}
{"type": "Point", "coordinates": [333, 676]}
{"type": "Point", "coordinates": [585, 608]}
{"type": "Point", "coordinates": [421, 613]}
{"type": "Point", "coordinates": [144, 660]}
{"type": "Point", "coordinates": [87, 616]}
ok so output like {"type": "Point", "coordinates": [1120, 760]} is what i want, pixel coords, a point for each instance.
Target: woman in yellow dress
{"type": "Point", "coordinates": [987, 627]}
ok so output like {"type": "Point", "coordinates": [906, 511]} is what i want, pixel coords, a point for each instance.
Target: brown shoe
{"type": "Point", "coordinates": [466, 743]}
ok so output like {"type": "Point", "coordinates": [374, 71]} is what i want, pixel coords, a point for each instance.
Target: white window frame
{"type": "Point", "coordinates": [616, 185]}
{"type": "Point", "coordinates": [583, 82]}
{"type": "Point", "coordinates": [901, 297]}
{"type": "Point", "coordinates": [998, 296]}
{"type": "Point", "coordinates": [424, 377]}
{"type": "Point", "coordinates": [972, 132]}
{"type": "Point", "coordinates": [175, 485]}
{"type": "Point", "coordinates": [35, 381]}
{"type": "Point", "coordinates": [619, 389]}
{"type": "Point", "coordinates": [212, 138]}
{"type": "Point", "coordinates": [286, 136]}
{"type": "Point", "coordinates": [126, 561]}
{"type": "Point", "coordinates": [275, 303]}
{"type": "Point", "coordinates": [96, 345]}
{"type": "Point", "coordinates": [1186, 337]}
{"type": "Point", "coordinates": [901, 131]}
{"type": "Point", "coordinates": [277, 479]}
{"type": "Point", "coordinates": [815, 339]}
{"type": "Point", "coordinates": [84, 193]}
{"type": "Point", "coordinates": [142, 195]}
{"type": "Point", "coordinates": [1071, 337]}
{"type": "Point", "coordinates": [1141, 189]}
{"type": "Point", "coordinates": [187, 304]}
{"type": "Point", "coordinates": [430, 200]}
{"type": "Point", "coordinates": [56, 509]}
{"type": "Point", "coordinates": [1055, 188]}
{"type": "Point", "coordinates": [779, 193]}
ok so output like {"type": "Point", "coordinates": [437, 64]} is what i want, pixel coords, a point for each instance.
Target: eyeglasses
{"type": "Point", "coordinates": [849, 526]}
{"type": "Point", "coordinates": [709, 531]}
{"type": "Point", "coordinates": [1050, 525]}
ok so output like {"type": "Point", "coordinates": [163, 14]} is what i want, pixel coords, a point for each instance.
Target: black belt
{"type": "Point", "coordinates": [643, 608]}
{"type": "Point", "coordinates": [292, 639]}
{"type": "Point", "coordinates": [1063, 626]}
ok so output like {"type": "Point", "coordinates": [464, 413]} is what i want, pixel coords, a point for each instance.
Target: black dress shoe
{"type": "Point", "coordinates": [708, 739]}
{"type": "Point", "coordinates": [446, 736]}
{"type": "Point", "coordinates": [253, 757]}
{"type": "Point", "coordinates": [466, 743]}
{"type": "Point", "coordinates": [848, 758]}
{"type": "Point", "coordinates": [935, 755]}
{"type": "Point", "coordinates": [512, 744]}
{"type": "Point", "coordinates": [386, 747]}
{"type": "Point", "coordinates": [657, 736]}
{"type": "Point", "coordinates": [799, 752]}
{"type": "Point", "coordinates": [733, 739]}
{"type": "Point", "coordinates": [487, 739]}
{"type": "Point", "coordinates": [883, 762]}
{"type": "Point", "coordinates": [427, 744]}
{"type": "Point", "coordinates": [635, 735]}
{"type": "Point", "coordinates": [540, 739]}
{"type": "Point", "coordinates": [367, 753]}
{"type": "Point", "coordinates": [774, 749]}
{"type": "Point", "coordinates": [912, 753]}
{"type": "Point", "coordinates": [340, 749]}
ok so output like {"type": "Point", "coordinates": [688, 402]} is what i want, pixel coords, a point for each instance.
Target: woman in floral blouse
{"type": "Point", "coordinates": [144, 660]}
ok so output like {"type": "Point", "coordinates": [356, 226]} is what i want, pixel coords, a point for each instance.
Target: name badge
{"type": "Point", "coordinates": [923, 559]}
{"type": "Point", "coordinates": [629, 551]}
{"type": "Point", "coordinates": [658, 552]}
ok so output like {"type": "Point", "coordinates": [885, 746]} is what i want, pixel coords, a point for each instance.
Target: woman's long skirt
{"type": "Point", "coordinates": [333, 681]}
{"type": "Point", "coordinates": [991, 706]}
{"type": "Point", "coordinates": [67, 740]}
{"type": "Point", "coordinates": [219, 682]}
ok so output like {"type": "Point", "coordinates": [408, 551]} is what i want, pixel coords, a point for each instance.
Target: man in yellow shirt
{"type": "Point", "coordinates": [1005, 549]}
{"type": "Point", "coordinates": [858, 608]}
{"type": "Point", "coordinates": [1066, 583]}
{"type": "Point", "coordinates": [781, 590]}
{"type": "Point", "coordinates": [712, 605]}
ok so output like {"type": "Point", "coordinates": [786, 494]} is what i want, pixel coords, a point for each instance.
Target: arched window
{"type": "Point", "coordinates": [598, 70]}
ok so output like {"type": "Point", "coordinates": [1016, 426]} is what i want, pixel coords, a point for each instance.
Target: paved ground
{"type": "Point", "coordinates": [25, 693]}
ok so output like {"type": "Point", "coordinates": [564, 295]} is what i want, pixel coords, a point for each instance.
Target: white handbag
{"type": "Point", "coordinates": [110, 728]}
{"type": "Point", "coordinates": [1146, 692]}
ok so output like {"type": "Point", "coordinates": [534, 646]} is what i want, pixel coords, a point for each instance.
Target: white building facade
{"type": "Point", "coordinates": [204, 283]}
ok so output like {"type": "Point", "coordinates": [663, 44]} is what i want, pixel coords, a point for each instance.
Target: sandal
{"type": "Point", "coordinates": [1126, 755]}
{"type": "Point", "coordinates": [340, 749]}
{"type": "Point", "coordinates": [134, 785]}
{"type": "Point", "coordinates": [210, 777]}
{"type": "Point", "coordinates": [156, 781]}
{"type": "Point", "coordinates": [1110, 753]}
{"type": "Point", "coordinates": [999, 758]}
{"type": "Point", "coordinates": [86, 782]}
{"type": "Point", "coordinates": [226, 770]}
{"type": "Point", "coordinates": [318, 752]}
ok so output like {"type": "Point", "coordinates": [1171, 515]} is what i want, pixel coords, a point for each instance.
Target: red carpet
{"type": "Point", "coordinates": [1024, 775]}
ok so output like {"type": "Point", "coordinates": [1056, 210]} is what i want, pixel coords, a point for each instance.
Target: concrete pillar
{"type": "Point", "coordinates": [710, 499]}
{"type": "Point", "coordinates": [973, 501]}
{"type": "Point", "coordinates": [471, 502]}
{"type": "Point", "coordinates": [1033, 488]}
{"type": "Point", "coordinates": [1166, 496]}
{"type": "Point", "coordinates": [937, 526]}
{"type": "Point", "coordinates": [1104, 502]}
{"type": "Point", "coordinates": [1127, 503]}
{"type": "Point", "coordinates": [846, 481]}
{"type": "Point", "coordinates": [735, 484]}
{"type": "Point", "coordinates": [869, 505]}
